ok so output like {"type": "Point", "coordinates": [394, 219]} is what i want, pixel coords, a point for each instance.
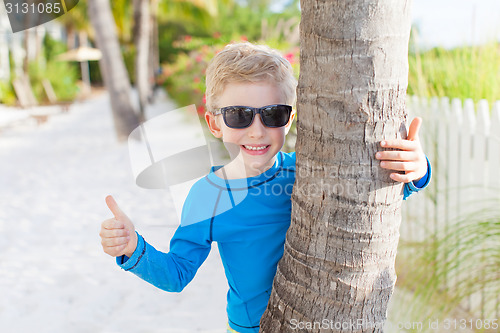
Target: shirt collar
{"type": "Point", "coordinates": [245, 183]}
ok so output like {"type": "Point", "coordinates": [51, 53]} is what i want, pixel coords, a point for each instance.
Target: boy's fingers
{"type": "Point", "coordinates": [113, 232]}
{"type": "Point", "coordinates": [118, 248]}
{"type": "Point", "coordinates": [115, 250]}
{"type": "Point", "coordinates": [414, 128]}
{"type": "Point", "coordinates": [118, 233]}
{"type": "Point", "coordinates": [403, 178]}
{"type": "Point", "coordinates": [117, 241]}
{"type": "Point", "coordinates": [396, 155]}
{"type": "Point", "coordinates": [113, 207]}
{"type": "Point", "coordinates": [398, 166]}
{"type": "Point", "coordinates": [112, 224]}
{"type": "Point", "coordinates": [399, 144]}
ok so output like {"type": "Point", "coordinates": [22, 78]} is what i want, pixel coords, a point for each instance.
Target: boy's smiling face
{"type": "Point", "coordinates": [256, 146]}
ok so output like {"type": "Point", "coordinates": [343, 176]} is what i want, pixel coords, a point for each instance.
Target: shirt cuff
{"type": "Point", "coordinates": [127, 263]}
{"type": "Point", "coordinates": [424, 181]}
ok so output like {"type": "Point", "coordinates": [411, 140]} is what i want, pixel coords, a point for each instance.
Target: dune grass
{"type": "Point", "coordinates": [455, 273]}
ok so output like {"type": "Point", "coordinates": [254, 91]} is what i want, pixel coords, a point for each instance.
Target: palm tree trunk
{"type": "Point", "coordinates": [142, 47]}
{"type": "Point", "coordinates": [70, 42]}
{"type": "Point", "coordinates": [154, 50]}
{"type": "Point", "coordinates": [337, 272]}
{"type": "Point", "coordinates": [113, 68]}
{"type": "Point", "coordinates": [27, 51]}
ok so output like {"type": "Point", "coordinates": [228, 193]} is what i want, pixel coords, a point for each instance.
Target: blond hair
{"type": "Point", "coordinates": [246, 62]}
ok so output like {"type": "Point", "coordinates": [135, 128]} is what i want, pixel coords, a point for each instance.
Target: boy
{"type": "Point", "coordinates": [249, 92]}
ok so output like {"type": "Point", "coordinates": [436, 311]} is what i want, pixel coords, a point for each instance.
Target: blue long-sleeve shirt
{"type": "Point", "coordinates": [249, 219]}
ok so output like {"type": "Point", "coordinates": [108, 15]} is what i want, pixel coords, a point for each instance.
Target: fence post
{"type": "Point", "coordinates": [454, 174]}
{"type": "Point", "coordinates": [466, 191]}
{"type": "Point", "coordinates": [433, 127]}
{"type": "Point", "coordinates": [493, 154]}
{"type": "Point", "coordinates": [453, 156]}
{"type": "Point", "coordinates": [422, 202]}
{"type": "Point", "coordinates": [441, 170]}
{"type": "Point", "coordinates": [480, 173]}
{"type": "Point", "coordinates": [494, 150]}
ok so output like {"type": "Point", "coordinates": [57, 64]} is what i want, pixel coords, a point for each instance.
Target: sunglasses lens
{"type": "Point", "coordinates": [276, 115]}
{"type": "Point", "coordinates": [238, 117]}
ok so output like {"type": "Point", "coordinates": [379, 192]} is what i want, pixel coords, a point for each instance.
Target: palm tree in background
{"type": "Point", "coordinates": [142, 40]}
{"type": "Point", "coordinates": [338, 264]}
{"type": "Point", "coordinates": [113, 68]}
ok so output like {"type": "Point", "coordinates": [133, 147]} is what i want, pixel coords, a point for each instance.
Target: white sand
{"type": "Point", "coordinates": [54, 276]}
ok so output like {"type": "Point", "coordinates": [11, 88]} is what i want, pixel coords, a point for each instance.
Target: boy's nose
{"type": "Point", "coordinates": [257, 128]}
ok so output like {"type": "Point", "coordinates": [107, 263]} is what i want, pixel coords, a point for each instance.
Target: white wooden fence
{"type": "Point", "coordinates": [463, 144]}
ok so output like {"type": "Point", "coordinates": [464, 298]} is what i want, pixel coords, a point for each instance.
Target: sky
{"type": "Point", "coordinates": [450, 23]}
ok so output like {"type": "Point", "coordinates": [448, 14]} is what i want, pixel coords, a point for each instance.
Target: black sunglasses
{"type": "Point", "coordinates": [276, 115]}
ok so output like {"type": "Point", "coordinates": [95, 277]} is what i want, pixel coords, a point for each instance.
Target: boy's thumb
{"type": "Point", "coordinates": [113, 207]}
{"type": "Point", "coordinates": [414, 128]}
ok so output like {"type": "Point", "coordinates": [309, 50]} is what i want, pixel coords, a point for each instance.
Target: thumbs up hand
{"type": "Point", "coordinates": [410, 159]}
{"type": "Point", "coordinates": [118, 235]}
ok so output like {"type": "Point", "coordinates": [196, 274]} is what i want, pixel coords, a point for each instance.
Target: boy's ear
{"type": "Point", "coordinates": [213, 125]}
{"type": "Point", "coordinates": [290, 121]}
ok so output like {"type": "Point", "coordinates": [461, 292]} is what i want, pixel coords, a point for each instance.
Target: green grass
{"type": "Point", "coordinates": [465, 72]}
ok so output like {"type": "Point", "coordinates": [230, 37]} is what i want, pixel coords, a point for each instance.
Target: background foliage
{"type": "Point", "coordinates": [463, 72]}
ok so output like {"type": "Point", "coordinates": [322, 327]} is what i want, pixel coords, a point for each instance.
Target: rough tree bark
{"type": "Point", "coordinates": [337, 272]}
{"type": "Point", "coordinates": [113, 68]}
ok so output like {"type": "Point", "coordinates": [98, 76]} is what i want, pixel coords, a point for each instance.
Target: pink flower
{"type": "Point", "coordinates": [199, 58]}
{"type": "Point", "coordinates": [187, 38]}
{"type": "Point", "coordinates": [200, 109]}
{"type": "Point", "coordinates": [196, 79]}
{"type": "Point", "coordinates": [290, 57]}
{"type": "Point", "coordinates": [244, 38]}
{"type": "Point", "coordinates": [204, 99]}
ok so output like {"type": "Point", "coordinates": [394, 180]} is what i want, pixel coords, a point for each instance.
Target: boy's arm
{"type": "Point", "coordinates": [170, 271]}
{"type": "Point", "coordinates": [413, 166]}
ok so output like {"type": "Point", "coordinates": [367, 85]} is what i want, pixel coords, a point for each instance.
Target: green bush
{"type": "Point", "coordinates": [7, 95]}
{"type": "Point", "coordinates": [62, 75]}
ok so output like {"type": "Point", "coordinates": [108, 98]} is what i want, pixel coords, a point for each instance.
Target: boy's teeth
{"type": "Point", "coordinates": [255, 148]}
